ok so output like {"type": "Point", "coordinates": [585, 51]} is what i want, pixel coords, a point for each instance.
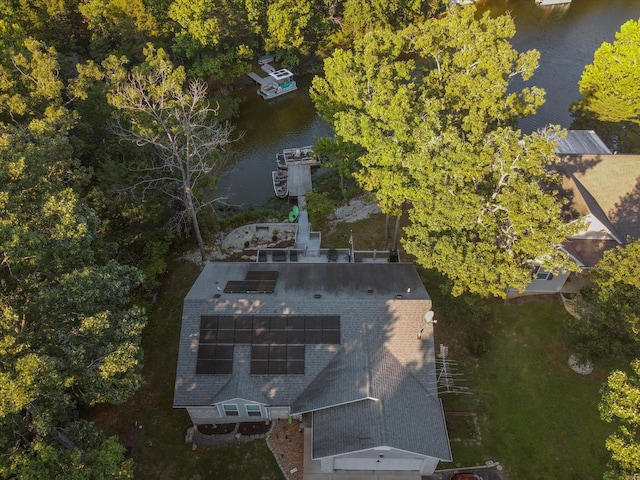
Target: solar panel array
{"type": "Point", "coordinates": [277, 341]}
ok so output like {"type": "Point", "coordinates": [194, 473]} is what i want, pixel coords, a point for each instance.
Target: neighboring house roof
{"type": "Point", "coordinates": [608, 186]}
{"type": "Point", "coordinates": [581, 142]}
{"type": "Point", "coordinates": [379, 368]}
{"type": "Point", "coordinates": [588, 251]}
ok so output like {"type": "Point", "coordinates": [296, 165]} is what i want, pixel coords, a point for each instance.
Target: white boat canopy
{"type": "Point", "coordinates": [281, 74]}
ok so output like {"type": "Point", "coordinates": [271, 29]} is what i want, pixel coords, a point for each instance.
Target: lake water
{"type": "Point", "coordinates": [566, 36]}
{"type": "Point", "coordinates": [269, 127]}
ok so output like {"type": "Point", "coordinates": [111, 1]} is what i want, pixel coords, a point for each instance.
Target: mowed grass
{"type": "Point", "coordinates": [148, 425]}
{"type": "Point", "coordinates": [536, 416]}
{"type": "Point", "coordinates": [367, 234]}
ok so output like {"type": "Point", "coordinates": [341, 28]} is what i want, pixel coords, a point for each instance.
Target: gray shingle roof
{"type": "Point", "coordinates": [381, 306]}
{"type": "Point", "coordinates": [404, 415]}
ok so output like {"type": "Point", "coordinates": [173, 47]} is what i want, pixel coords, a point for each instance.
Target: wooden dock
{"type": "Point", "coordinates": [299, 180]}
{"type": "Point", "coordinates": [258, 79]}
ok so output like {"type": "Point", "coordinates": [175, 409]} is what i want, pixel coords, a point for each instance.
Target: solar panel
{"type": "Point", "coordinates": [250, 286]}
{"type": "Point", "coordinates": [295, 367]}
{"type": "Point", "coordinates": [277, 367]}
{"type": "Point", "coordinates": [295, 336]}
{"type": "Point", "coordinates": [295, 352]}
{"type": "Point", "coordinates": [295, 322]}
{"type": "Point", "coordinates": [209, 322]}
{"type": "Point", "coordinates": [225, 336]}
{"type": "Point", "coordinates": [208, 336]}
{"type": "Point", "coordinates": [244, 322]}
{"type": "Point", "coordinates": [207, 352]}
{"type": "Point", "coordinates": [277, 360]}
{"type": "Point", "coordinates": [243, 336]}
{"type": "Point", "coordinates": [277, 352]}
{"type": "Point", "coordinates": [277, 341]}
{"type": "Point", "coordinates": [226, 322]}
{"type": "Point", "coordinates": [259, 367]}
{"type": "Point", "coordinates": [224, 352]}
{"type": "Point", "coordinates": [260, 352]}
{"type": "Point", "coordinates": [278, 336]}
{"type": "Point", "coordinates": [261, 322]}
{"type": "Point", "coordinates": [313, 322]}
{"type": "Point", "coordinates": [220, 362]}
{"type": "Point", "coordinates": [205, 367]}
{"type": "Point", "coordinates": [223, 367]}
{"type": "Point", "coordinates": [331, 323]}
{"type": "Point", "coordinates": [331, 336]}
{"type": "Point", "coordinates": [278, 323]}
{"type": "Point", "coordinates": [260, 337]}
{"type": "Point", "coordinates": [313, 337]}
{"type": "Point", "coordinates": [262, 275]}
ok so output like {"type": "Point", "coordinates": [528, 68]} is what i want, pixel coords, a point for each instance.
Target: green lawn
{"type": "Point", "coordinates": [535, 415]}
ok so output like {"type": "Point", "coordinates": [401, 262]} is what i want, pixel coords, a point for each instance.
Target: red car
{"type": "Point", "coordinates": [466, 476]}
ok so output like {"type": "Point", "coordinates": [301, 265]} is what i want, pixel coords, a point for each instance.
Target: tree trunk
{"type": "Point", "coordinates": [396, 232]}
{"type": "Point", "coordinates": [63, 440]}
{"type": "Point", "coordinates": [386, 228]}
{"type": "Point", "coordinates": [194, 222]}
{"type": "Point", "coordinates": [343, 190]}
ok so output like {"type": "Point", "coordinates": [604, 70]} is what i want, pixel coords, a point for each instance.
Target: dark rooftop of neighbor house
{"type": "Point", "coordinates": [340, 340]}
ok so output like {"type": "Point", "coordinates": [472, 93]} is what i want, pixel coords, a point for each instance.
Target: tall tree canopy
{"type": "Point", "coordinates": [609, 323]}
{"type": "Point", "coordinates": [69, 334]}
{"type": "Point", "coordinates": [611, 84]}
{"type": "Point", "coordinates": [186, 142]}
{"type": "Point", "coordinates": [118, 27]}
{"type": "Point", "coordinates": [431, 107]}
{"type": "Point", "coordinates": [620, 405]}
{"type": "Point", "coordinates": [215, 36]}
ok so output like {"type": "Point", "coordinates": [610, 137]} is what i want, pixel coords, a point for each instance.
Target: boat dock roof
{"type": "Point", "coordinates": [281, 74]}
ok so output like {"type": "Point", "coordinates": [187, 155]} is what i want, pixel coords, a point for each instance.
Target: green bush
{"type": "Point", "coordinates": [319, 207]}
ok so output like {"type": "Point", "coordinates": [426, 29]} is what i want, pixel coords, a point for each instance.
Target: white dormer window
{"type": "Point", "coordinates": [540, 273]}
{"type": "Point", "coordinates": [253, 410]}
{"type": "Point", "coordinates": [230, 410]}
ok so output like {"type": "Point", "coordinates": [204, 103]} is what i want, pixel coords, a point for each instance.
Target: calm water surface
{"type": "Point", "coordinates": [269, 127]}
{"type": "Point", "coordinates": [566, 36]}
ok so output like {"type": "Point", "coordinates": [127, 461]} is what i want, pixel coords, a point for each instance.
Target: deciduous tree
{"type": "Point", "coordinates": [186, 142]}
{"type": "Point", "coordinates": [609, 323]}
{"type": "Point", "coordinates": [620, 405]}
{"type": "Point", "coordinates": [68, 334]}
{"type": "Point", "coordinates": [215, 36]}
{"type": "Point", "coordinates": [118, 27]}
{"type": "Point", "coordinates": [610, 85]}
{"type": "Point", "coordinates": [432, 108]}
